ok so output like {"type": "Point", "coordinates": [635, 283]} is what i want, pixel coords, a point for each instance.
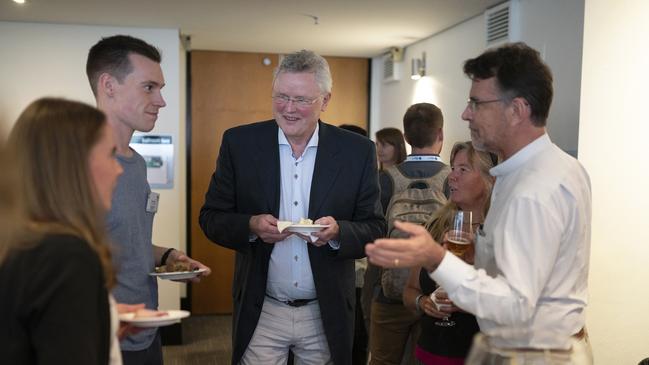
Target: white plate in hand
{"type": "Point", "coordinates": [306, 228]}
{"type": "Point", "coordinates": [172, 316]}
{"type": "Point", "coordinates": [178, 275]}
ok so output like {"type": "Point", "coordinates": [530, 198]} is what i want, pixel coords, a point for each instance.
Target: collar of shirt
{"type": "Point", "coordinates": [313, 141]}
{"type": "Point", "coordinates": [521, 157]}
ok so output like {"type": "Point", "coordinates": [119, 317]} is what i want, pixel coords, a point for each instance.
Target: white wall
{"type": "Point", "coordinates": [552, 26]}
{"type": "Point", "coordinates": [49, 60]}
{"type": "Point", "coordinates": [555, 28]}
{"type": "Point", "coordinates": [612, 135]}
{"type": "Point", "coordinates": [444, 84]}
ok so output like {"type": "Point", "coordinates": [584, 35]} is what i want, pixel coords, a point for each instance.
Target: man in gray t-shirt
{"type": "Point", "coordinates": [126, 79]}
{"type": "Point", "coordinates": [130, 226]}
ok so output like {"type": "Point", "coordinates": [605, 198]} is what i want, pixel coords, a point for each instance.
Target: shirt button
{"type": "Point", "coordinates": [296, 164]}
{"type": "Point", "coordinates": [296, 257]}
{"type": "Point", "coordinates": [295, 284]}
{"type": "Point", "coordinates": [295, 203]}
{"type": "Point", "coordinates": [295, 176]}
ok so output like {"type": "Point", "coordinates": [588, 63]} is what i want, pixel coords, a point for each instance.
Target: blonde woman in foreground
{"type": "Point", "coordinates": [55, 285]}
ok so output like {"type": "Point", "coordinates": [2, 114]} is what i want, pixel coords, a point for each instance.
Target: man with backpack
{"type": "Point", "coordinates": [411, 192]}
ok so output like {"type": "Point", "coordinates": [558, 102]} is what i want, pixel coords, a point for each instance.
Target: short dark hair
{"type": "Point", "coordinates": [110, 55]}
{"type": "Point", "coordinates": [421, 123]}
{"type": "Point", "coordinates": [520, 72]}
{"type": "Point", "coordinates": [354, 128]}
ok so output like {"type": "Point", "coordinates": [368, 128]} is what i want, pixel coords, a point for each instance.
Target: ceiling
{"type": "Point", "coordinates": [353, 28]}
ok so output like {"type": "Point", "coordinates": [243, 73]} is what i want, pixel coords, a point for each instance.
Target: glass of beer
{"type": "Point", "coordinates": [460, 237]}
{"type": "Point", "coordinates": [458, 241]}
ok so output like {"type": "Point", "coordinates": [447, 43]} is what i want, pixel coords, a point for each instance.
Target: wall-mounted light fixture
{"type": "Point", "coordinates": [418, 67]}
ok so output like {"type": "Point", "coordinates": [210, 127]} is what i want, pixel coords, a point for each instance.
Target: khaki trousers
{"type": "Point", "coordinates": [391, 328]}
{"type": "Point", "coordinates": [281, 327]}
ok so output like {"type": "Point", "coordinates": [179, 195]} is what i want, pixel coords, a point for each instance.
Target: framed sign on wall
{"type": "Point", "coordinates": [158, 152]}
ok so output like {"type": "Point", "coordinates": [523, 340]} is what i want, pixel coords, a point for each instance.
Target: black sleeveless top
{"type": "Point", "coordinates": [452, 341]}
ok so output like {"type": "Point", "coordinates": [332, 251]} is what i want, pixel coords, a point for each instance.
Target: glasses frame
{"type": "Point", "coordinates": [473, 104]}
{"type": "Point", "coordinates": [283, 100]}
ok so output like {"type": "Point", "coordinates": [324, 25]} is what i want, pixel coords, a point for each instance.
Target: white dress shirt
{"type": "Point", "coordinates": [289, 270]}
{"type": "Point", "coordinates": [531, 266]}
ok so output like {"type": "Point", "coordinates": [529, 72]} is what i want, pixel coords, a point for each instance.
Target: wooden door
{"type": "Point", "coordinates": [230, 89]}
{"type": "Point", "coordinates": [349, 96]}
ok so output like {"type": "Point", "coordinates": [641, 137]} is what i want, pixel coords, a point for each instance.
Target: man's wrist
{"type": "Point", "coordinates": [251, 223]}
{"type": "Point", "coordinates": [165, 256]}
{"type": "Point", "coordinates": [334, 244]}
{"type": "Point", "coordinates": [436, 260]}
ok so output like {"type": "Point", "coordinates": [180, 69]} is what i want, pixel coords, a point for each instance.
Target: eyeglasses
{"type": "Point", "coordinates": [473, 104]}
{"type": "Point", "coordinates": [299, 101]}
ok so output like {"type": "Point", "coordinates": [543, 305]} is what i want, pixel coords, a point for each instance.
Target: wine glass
{"type": "Point", "coordinates": [446, 321]}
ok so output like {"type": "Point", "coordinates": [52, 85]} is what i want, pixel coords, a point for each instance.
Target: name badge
{"type": "Point", "coordinates": [152, 202]}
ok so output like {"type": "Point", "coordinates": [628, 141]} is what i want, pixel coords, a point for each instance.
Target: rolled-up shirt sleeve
{"type": "Point", "coordinates": [525, 255]}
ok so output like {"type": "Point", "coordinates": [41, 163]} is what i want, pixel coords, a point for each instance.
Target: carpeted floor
{"type": "Point", "coordinates": [207, 341]}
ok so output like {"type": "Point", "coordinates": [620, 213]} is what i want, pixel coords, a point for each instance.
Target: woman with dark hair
{"type": "Point", "coordinates": [470, 190]}
{"type": "Point", "coordinates": [54, 285]}
{"type": "Point", "coordinates": [390, 147]}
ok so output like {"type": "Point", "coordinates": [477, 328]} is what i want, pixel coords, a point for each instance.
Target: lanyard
{"type": "Point", "coordinates": [423, 158]}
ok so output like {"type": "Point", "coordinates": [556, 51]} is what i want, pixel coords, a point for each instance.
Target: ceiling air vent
{"type": "Point", "coordinates": [500, 23]}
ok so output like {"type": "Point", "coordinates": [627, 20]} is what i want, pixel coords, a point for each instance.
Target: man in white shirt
{"type": "Point", "coordinates": [529, 284]}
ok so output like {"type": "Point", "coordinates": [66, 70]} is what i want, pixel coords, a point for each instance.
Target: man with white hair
{"type": "Point", "coordinates": [292, 291]}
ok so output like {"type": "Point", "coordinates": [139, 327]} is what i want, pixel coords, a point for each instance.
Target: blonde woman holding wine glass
{"type": "Point", "coordinates": [448, 341]}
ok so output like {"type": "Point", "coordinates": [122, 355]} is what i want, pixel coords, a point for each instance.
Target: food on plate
{"type": "Point", "coordinates": [303, 224]}
{"type": "Point", "coordinates": [178, 266]}
{"type": "Point", "coordinates": [148, 313]}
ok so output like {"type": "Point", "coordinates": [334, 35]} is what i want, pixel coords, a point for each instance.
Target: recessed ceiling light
{"type": "Point", "coordinates": [19, 1]}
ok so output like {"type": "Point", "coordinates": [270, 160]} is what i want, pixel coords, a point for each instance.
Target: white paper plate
{"type": "Point", "coordinates": [172, 316]}
{"type": "Point", "coordinates": [306, 228]}
{"type": "Point", "coordinates": [178, 275]}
